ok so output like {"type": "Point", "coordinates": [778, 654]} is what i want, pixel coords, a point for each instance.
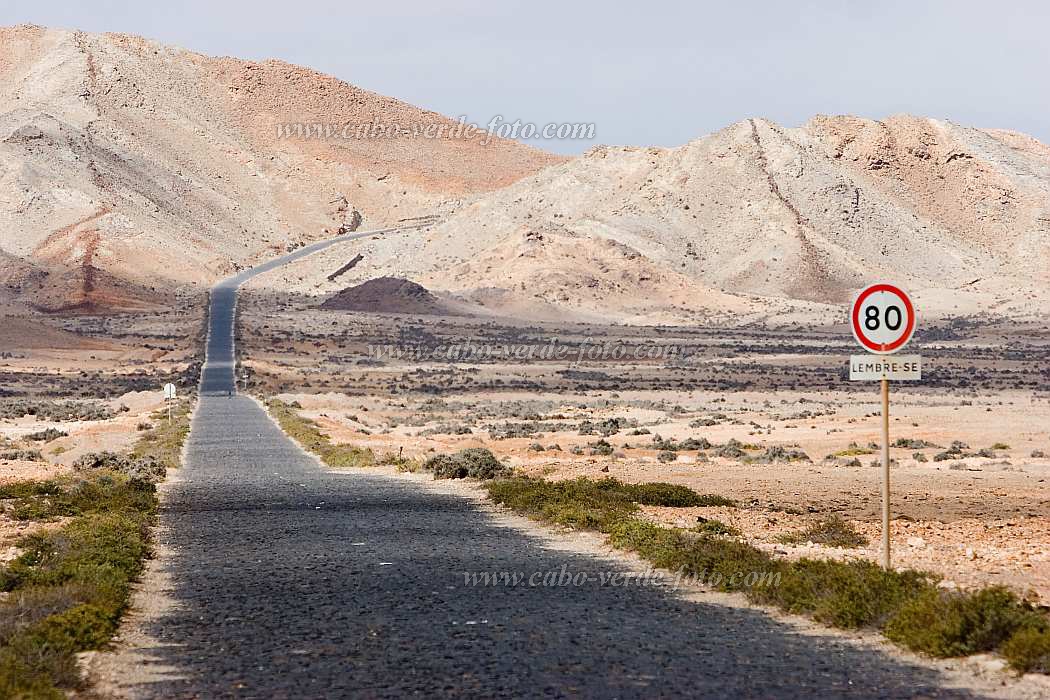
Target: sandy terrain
{"type": "Point", "coordinates": [977, 516]}
{"type": "Point", "coordinates": [100, 356]}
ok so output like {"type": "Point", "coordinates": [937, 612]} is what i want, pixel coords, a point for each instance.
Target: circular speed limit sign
{"type": "Point", "coordinates": [882, 318]}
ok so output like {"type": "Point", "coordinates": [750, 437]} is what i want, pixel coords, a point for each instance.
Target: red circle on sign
{"type": "Point", "coordinates": [858, 331]}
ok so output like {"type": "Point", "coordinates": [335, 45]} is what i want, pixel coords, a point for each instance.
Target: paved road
{"type": "Point", "coordinates": [296, 582]}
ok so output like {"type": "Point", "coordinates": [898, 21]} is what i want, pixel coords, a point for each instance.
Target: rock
{"type": "Point", "coordinates": [916, 542]}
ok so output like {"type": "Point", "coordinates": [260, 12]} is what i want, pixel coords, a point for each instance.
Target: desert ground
{"type": "Point", "coordinates": [774, 423]}
{"type": "Point", "coordinates": [648, 314]}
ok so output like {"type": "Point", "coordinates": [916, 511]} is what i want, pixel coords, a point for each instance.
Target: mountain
{"type": "Point", "coordinates": [131, 172]}
{"type": "Point", "coordinates": [752, 221]}
{"type": "Point", "coordinates": [129, 168]}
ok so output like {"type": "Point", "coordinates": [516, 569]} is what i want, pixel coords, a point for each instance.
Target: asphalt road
{"type": "Point", "coordinates": [292, 581]}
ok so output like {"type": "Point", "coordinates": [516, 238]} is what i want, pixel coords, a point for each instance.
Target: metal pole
{"type": "Point", "coordinates": [886, 473]}
{"type": "Point", "coordinates": [168, 401]}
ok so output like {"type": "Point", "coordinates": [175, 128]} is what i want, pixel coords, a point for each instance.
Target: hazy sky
{"type": "Point", "coordinates": [644, 73]}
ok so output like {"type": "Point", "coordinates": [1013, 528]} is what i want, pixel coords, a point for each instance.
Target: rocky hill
{"type": "Point", "coordinates": [752, 220]}
{"type": "Point", "coordinates": [129, 168]}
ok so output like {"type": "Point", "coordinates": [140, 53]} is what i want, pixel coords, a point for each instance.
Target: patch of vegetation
{"type": "Point", "coordinates": [473, 463]}
{"type": "Point", "coordinates": [957, 450]}
{"type": "Point", "coordinates": [943, 623]}
{"type": "Point", "coordinates": [528, 429]}
{"type": "Point", "coordinates": [146, 469]}
{"type": "Point", "coordinates": [733, 449]}
{"type": "Point", "coordinates": [849, 595]}
{"type": "Point", "coordinates": [708, 421]}
{"type": "Point", "coordinates": [605, 428]}
{"type": "Point", "coordinates": [445, 429]}
{"type": "Point", "coordinates": [710, 526]}
{"type": "Point", "coordinates": [853, 450]}
{"type": "Point", "coordinates": [778, 453]}
{"type": "Point", "coordinates": [98, 492]}
{"type": "Point", "coordinates": [913, 444]}
{"type": "Point", "coordinates": [309, 435]}
{"type": "Point", "coordinates": [402, 463]}
{"type": "Point", "coordinates": [22, 456]}
{"type": "Point", "coordinates": [68, 587]}
{"type": "Point", "coordinates": [667, 445]}
{"type": "Point", "coordinates": [907, 605]}
{"type": "Point", "coordinates": [54, 411]}
{"type": "Point", "coordinates": [832, 531]}
{"type": "Point", "coordinates": [1028, 650]}
{"type": "Point", "coordinates": [163, 440]}
{"type": "Point", "coordinates": [46, 435]}
{"type": "Point", "coordinates": [601, 448]}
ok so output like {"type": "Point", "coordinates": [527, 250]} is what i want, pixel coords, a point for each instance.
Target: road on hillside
{"type": "Point", "coordinates": [292, 581]}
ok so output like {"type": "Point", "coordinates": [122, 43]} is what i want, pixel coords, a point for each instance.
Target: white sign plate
{"type": "Point", "coordinates": [895, 367]}
{"type": "Point", "coordinates": [882, 318]}
{"type": "Point", "coordinates": [169, 391]}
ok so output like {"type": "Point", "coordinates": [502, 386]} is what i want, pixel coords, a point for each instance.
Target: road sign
{"type": "Point", "coordinates": [882, 318]}
{"type": "Point", "coordinates": [169, 391]}
{"type": "Point", "coordinates": [896, 367]}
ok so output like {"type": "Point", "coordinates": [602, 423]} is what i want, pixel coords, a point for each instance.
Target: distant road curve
{"type": "Point", "coordinates": [217, 377]}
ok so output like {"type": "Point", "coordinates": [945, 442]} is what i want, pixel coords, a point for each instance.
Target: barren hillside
{"type": "Point", "coordinates": [131, 170]}
{"type": "Point", "coordinates": [751, 219]}
{"type": "Point", "coordinates": [128, 168]}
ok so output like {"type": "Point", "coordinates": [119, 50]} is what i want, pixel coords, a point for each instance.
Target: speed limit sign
{"type": "Point", "coordinates": [882, 318]}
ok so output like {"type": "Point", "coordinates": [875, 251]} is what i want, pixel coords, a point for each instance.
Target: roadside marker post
{"type": "Point", "coordinates": [169, 396]}
{"type": "Point", "coordinates": [882, 318]}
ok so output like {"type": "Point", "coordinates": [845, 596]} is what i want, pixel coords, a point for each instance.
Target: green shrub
{"type": "Point", "coordinates": [942, 623]}
{"type": "Point", "coordinates": [473, 462]}
{"type": "Point", "coordinates": [849, 595]}
{"type": "Point", "coordinates": [162, 442]}
{"type": "Point", "coordinates": [68, 587]}
{"type": "Point", "coordinates": [308, 434]}
{"type": "Point", "coordinates": [659, 493]}
{"type": "Point", "coordinates": [1028, 650]}
{"type": "Point", "coordinates": [67, 591]}
{"type": "Point", "coordinates": [580, 503]}
{"type": "Point", "coordinates": [99, 492]}
{"type": "Point", "coordinates": [832, 531]}
{"type": "Point", "coordinates": [710, 526]}
{"type": "Point", "coordinates": [853, 450]}
{"type": "Point", "coordinates": [693, 555]}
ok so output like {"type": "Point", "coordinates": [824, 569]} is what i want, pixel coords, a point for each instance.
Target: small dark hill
{"type": "Point", "coordinates": [388, 295]}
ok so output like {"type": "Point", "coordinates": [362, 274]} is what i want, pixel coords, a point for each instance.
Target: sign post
{"type": "Point", "coordinates": [883, 319]}
{"type": "Point", "coordinates": [169, 396]}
